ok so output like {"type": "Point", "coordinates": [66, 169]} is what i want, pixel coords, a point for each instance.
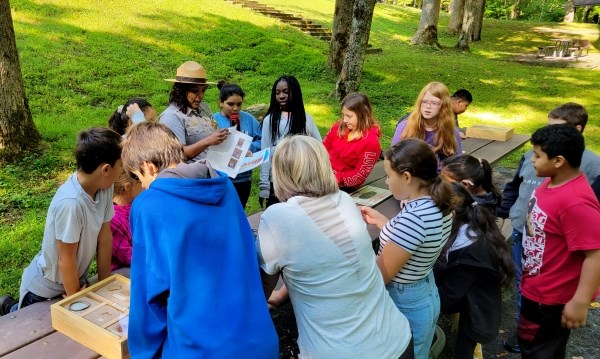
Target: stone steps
{"type": "Point", "coordinates": [306, 26]}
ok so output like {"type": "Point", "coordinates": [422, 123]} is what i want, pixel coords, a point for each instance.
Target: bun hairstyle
{"type": "Point", "coordinates": [467, 167]}
{"type": "Point", "coordinates": [227, 90]}
{"type": "Point", "coordinates": [119, 121]}
{"type": "Point", "coordinates": [417, 158]}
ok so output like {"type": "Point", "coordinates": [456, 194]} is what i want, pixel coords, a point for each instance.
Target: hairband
{"type": "Point", "coordinates": [120, 109]}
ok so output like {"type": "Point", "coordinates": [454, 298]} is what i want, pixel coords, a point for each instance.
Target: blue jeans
{"type": "Point", "coordinates": [517, 255]}
{"type": "Point", "coordinates": [420, 303]}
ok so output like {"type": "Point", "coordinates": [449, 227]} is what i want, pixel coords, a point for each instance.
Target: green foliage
{"type": "Point", "coordinates": [81, 60]}
{"type": "Point", "coordinates": [536, 10]}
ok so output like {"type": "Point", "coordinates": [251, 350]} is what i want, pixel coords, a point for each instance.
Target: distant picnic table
{"type": "Point", "coordinates": [565, 47]}
{"type": "Point", "coordinates": [28, 332]}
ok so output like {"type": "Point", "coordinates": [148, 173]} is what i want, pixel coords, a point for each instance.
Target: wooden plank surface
{"type": "Point", "coordinates": [53, 346]}
{"type": "Point", "coordinates": [470, 145]}
{"type": "Point", "coordinates": [377, 173]}
{"type": "Point", "coordinates": [497, 150]}
{"type": "Point", "coordinates": [25, 326]}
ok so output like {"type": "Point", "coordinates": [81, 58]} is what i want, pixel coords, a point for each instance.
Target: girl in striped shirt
{"type": "Point", "coordinates": [411, 242]}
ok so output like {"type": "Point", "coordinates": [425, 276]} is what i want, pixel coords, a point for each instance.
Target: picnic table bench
{"type": "Point", "coordinates": [28, 332]}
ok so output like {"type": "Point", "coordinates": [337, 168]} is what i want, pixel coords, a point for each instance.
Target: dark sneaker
{"type": "Point", "coordinates": [512, 344]}
{"type": "Point", "coordinates": [6, 302]}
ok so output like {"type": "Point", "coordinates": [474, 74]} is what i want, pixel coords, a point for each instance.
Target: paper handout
{"type": "Point", "coordinates": [230, 155]}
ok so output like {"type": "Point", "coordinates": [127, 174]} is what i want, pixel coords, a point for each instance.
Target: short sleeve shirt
{"type": "Point", "coordinates": [190, 127]}
{"type": "Point", "coordinates": [73, 217]}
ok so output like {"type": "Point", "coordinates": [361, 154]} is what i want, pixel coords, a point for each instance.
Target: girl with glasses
{"type": "Point", "coordinates": [432, 121]}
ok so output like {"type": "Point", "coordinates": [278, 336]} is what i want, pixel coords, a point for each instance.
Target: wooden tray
{"type": "Point", "coordinates": [93, 316]}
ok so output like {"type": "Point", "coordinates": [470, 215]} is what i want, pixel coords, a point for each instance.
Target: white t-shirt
{"type": "Point", "coordinates": [323, 249]}
{"type": "Point", "coordinates": [266, 141]}
{"type": "Point", "coordinates": [73, 217]}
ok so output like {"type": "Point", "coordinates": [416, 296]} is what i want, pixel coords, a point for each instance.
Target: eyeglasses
{"type": "Point", "coordinates": [430, 103]}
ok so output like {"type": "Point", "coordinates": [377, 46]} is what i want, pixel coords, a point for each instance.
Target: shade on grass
{"type": "Point", "coordinates": [81, 59]}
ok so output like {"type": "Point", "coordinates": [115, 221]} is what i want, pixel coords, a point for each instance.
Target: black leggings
{"type": "Point", "coordinates": [243, 191]}
{"type": "Point", "coordinates": [272, 199]}
{"type": "Point", "coordinates": [465, 346]}
{"type": "Point", "coordinates": [409, 352]}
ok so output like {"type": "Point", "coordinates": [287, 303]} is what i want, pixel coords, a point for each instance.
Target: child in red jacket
{"type": "Point", "coordinates": [353, 142]}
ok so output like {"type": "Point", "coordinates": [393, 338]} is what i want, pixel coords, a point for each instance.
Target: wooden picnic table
{"type": "Point", "coordinates": [491, 150]}
{"type": "Point", "coordinates": [28, 332]}
{"type": "Point", "coordinates": [562, 46]}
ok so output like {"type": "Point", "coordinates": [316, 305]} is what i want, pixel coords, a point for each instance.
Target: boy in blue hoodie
{"type": "Point", "coordinates": [195, 284]}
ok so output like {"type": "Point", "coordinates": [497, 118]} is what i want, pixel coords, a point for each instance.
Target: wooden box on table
{"type": "Point", "coordinates": [495, 133]}
{"type": "Point", "coordinates": [96, 317]}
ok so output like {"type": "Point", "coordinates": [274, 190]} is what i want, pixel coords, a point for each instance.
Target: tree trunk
{"type": "Point", "coordinates": [457, 9]}
{"type": "Point", "coordinates": [466, 33]}
{"type": "Point", "coordinates": [17, 130]}
{"type": "Point", "coordinates": [342, 23]}
{"type": "Point", "coordinates": [478, 20]}
{"type": "Point", "coordinates": [514, 12]}
{"type": "Point", "coordinates": [586, 14]}
{"type": "Point", "coordinates": [427, 32]}
{"type": "Point", "coordinates": [351, 74]}
{"type": "Point", "coordinates": [569, 11]}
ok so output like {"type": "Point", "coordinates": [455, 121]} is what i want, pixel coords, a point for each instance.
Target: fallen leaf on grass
{"type": "Point", "coordinates": [595, 305]}
{"type": "Point", "coordinates": [577, 358]}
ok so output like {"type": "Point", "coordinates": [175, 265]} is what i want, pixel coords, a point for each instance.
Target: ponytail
{"type": "Point", "coordinates": [417, 158]}
{"type": "Point", "coordinates": [118, 121]}
{"type": "Point", "coordinates": [442, 195]}
{"type": "Point", "coordinates": [487, 182]}
{"type": "Point", "coordinates": [482, 223]}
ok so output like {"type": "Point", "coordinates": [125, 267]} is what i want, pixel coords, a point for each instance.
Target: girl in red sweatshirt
{"type": "Point", "coordinates": [353, 142]}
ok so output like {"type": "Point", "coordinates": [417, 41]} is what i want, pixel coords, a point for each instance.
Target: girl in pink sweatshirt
{"type": "Point", "coordinates": [126, 189]}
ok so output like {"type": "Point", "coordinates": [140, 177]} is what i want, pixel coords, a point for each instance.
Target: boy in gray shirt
{"type": "Point", "coordinates": [77, 224]}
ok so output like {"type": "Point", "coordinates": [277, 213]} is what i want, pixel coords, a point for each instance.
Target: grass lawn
{"type": "Point", "coordinates": [81, 59]}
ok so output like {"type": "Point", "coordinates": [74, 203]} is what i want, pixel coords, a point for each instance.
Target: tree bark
{"type": "Point", "coordinates": [457, 9]}
{"type": "Point", "coordinates": [569, 11]}
{"type": "Point", "coordinates": [342, 24]}
{"type": "Point", "coordinates": [351, 74]}
{"type": "Point", "coordinates": [586, 14]}
{"type": "Point", "coordinates": [427, 32]}
{"type": "Point", "coordinates": [17, 130]}
{"type": "Point", "coordinates": [478, 20]}
{"type": "Point", "coordinates": [466, 33]}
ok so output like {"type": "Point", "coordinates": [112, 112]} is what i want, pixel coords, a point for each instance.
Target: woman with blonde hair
{"type": "Point", "coordinates": [432, 121]}
{"type": "Point", "coordinates": [316, 240]}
